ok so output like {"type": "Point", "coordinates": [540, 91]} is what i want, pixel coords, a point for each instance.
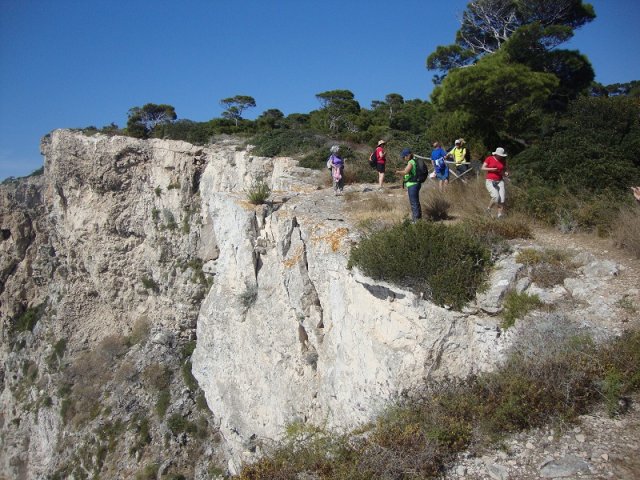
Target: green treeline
{"type": "Point", "coordinates": [505, 81]}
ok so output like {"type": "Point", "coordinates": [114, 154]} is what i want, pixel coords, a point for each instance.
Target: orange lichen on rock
{"type": "Point", "coordinates": [295, 258]}
{"type": "Point", "coordinates": [333, 238]}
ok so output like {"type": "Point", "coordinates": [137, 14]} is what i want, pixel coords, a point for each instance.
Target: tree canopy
{"type": "Point", "coordinates": [487, 24]}
{"type": "Point", "coordinates": [143, 120]}
{"type": "Point", "coordinates": [501, 98]}
{"type": "Point", "coordinates": [338, 112]}
{"type": "Point", "coordinates": [234, 106]}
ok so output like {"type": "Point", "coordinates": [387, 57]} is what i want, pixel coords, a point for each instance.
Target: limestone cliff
{"type": "Point", "coordinates": [128, 254]}
{"type": "Point", "coordinates": [288, 333]}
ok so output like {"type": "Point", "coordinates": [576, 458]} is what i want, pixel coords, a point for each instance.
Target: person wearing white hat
{"type": "Point", "coordinates": [496, 168]}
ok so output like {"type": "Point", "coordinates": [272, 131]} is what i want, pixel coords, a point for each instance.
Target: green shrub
{"type": "Point", "coordinates": [201, 401]}
{"type": "Point", "coordinates": [27, 321]}
{"type": "Point", "coordinates": [444, 262]}
{"type": "Point", "coordinates": [619, 361]}
{"type": "Point", "coordinates": [358, 170]}
{"type": "Point", "coordinates": [169, 219]}
{"type": "Point", "coordinates": [140, 424]}
{"type": "Point", "coordinates": [162, 402]}
{"type": "Point", "coordinates": [149, 472]}
{"type": "Point", "coordinates": [150, 284]}
{"type": "Point", "coordinates": [517, 305]}
{"type": "Point", "coordinates": [249, 296]}
{"type": "Point", "coordinates": [56, 355]}
{"type": "Point", "coordinates": [189, 380]}
{"type": "Point", "coordinates": [626, 304]}
{"type": "Point", "coordinates": [306, 448]}
{"type": "Point", "coordinates": [178, 424]}
{"type": "Point", "coordinates": [287, 142]}
{"type": "Point", "coordinates": [258, 191]}
{"type": "Point", "coordinates": [188, 349]}
{"type": "Point", "coordinates": [316, 160]}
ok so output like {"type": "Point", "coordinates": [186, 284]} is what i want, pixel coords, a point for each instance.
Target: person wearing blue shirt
{"type": "Point", "coordinates": [440, 167]}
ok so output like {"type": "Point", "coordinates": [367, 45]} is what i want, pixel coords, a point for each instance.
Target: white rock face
{"type": "Point", "coordinates": [288, 333]}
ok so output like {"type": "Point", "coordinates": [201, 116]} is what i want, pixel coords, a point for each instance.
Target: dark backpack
{"type": "Point", "coordinates": [422, 173]}
{"type": "Point", "coordinates": [373, 160]}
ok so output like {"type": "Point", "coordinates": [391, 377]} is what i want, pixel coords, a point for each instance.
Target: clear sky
{"type": "Point", "coordinates": [76, 63]}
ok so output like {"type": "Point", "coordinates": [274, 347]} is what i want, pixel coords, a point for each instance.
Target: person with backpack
{"type": "Point", "coordinates": [413, 175]}
{"type": "Point", "coordinates": [336, 164]}
{"type": "Point", "coordinates": [440, 167]}
{"type": "Point", "coordinates": [381, 160]}
{"type": "Point", "coordinates": [496, 168]}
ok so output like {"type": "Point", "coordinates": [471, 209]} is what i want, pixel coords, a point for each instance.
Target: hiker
{"type": "Point", "coordinates": [440, 167]}
{"type": "Point", "coordinates": [381, 162]}
{"type": "Point", "coordinates": [413, 185]}
{"type": "Point", "coordinates": [336, 164]}
{"type": "Point", "coordinates": [459, 155]}
{"type": "Point", "coordinates": [496, 168]}
{"type": "Point", "coordinates": [636, 193]}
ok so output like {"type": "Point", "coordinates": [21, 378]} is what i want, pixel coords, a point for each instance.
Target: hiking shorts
{"type": "Point", "coordinates": [442, 176]}
{"type": "Point", "coordinates": [496, 190]}
{"type": "Point", "coordinates": [380, 167]}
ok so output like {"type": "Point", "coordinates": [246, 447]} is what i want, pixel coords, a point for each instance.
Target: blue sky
{"type": "Point", "coordinates": [75, 63]}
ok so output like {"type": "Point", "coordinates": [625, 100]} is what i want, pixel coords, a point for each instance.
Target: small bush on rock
{"type": "Point", "coordinates": [258, 192]}
{"type": "Point", "coordinates": [436, 208]}
{"type": "Point", "coordinates": [547, 267]}
{"type": "Point", "coordinates": [27, 321]}
{"type": "Point", "coordinates": [444, 262]}
{"type": "Point", "coordinates": [517, 305]}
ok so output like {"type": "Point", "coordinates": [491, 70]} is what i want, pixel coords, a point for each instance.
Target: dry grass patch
{"type": "Point", "coordinates": [509, 228]}
{"type": "Point", "coordinates": [374, 211]}
{"type": "Point", "coordinates": [467, 200]}
{"type": "Point", "coordinates": [547, 267]}
{"type": "Point", "coordinates": [626, 230]}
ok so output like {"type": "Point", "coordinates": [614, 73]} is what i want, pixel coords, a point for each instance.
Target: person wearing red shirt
{"type": "Point", "coordinates": [382, 160]}
{"type": "Point", "coordinates": [496, 168]}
